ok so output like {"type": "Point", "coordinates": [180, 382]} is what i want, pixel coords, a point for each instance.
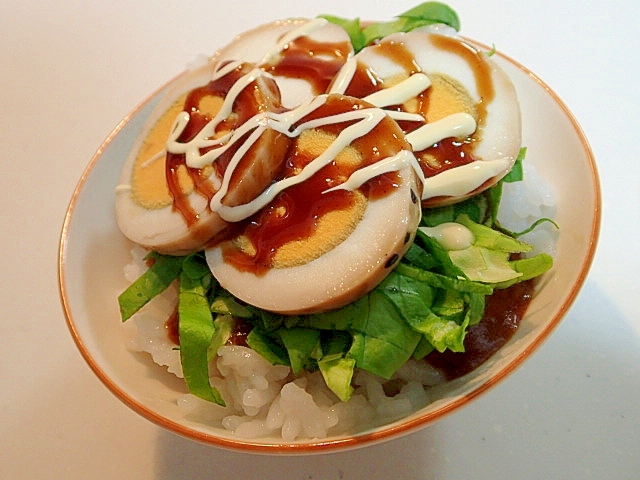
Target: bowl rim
{"type": "Point", "coordinates": [361, 439]}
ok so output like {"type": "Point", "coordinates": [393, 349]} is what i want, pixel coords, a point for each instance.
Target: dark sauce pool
{"type": "Point", "coordinates": [503, 312]}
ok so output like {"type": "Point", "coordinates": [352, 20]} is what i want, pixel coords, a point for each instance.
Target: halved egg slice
{"type": "Point", "coordinates": [338, 220]}
{"type": "Point", "coordinates": [163, 200]}
{"type": "Point", "coordinates": [180, 158]}
{"type": "Point", "coordinates": [469, 134]}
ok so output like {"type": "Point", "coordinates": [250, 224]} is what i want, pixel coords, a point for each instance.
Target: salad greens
{"type": "Point", "coordinates": [163, 271]}
{"type": "Point", "coordinates": [427, 13]}
{"type": "Point", "coordinates": [196, 327]}
{"type": "Point", "coordinates": [426, 303]}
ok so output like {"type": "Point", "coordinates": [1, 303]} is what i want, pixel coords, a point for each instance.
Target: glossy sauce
{"type": "Point", "coordinates": [239, 333]}
{"type": "Point", "coordinates": [315, 62]}
{"type": "Point", "coordinates": [244, 107]}
{"type": "Point", "coordinates": [295, 212]}
{"type": "Point", "coordinates": [172, 327]}
{"type": "Point", "coordinates": [503, 312]}
{"type": "Point", "coordinates": [450, 152]}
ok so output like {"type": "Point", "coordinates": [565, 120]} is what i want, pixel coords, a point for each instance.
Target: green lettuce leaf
{"type": "Point", "coordinates": [529, 268]}
{"type": "Point", "coordinates": [300, 344]}
{"type": "Point", "coordinates": [488, 260]}
{"type": "Point", "coordinates": [227, 304]}
{"type": "Point", "coordinates": [267, 347]}
{"type": "Point", "coordinates": [427, 13]}
{"type": "Point", "coordinates": [484, 265]}
{"type": "Point", "coordinates": [223, 329]}
{"type": "Point", "coordinates": [196, 328]}
{"type": "Point", "coordinates": [337, 372]}
{"type": "Point", "coordinates": [164, 270]}
{"type": "Point", "coordinates": [491, 239]}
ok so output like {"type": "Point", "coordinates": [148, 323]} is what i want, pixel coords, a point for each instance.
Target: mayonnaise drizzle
{"type": "Point", "coordinates": [451, 235]}
{"type": "Point", "coordinates": [204, 138]}
{"type": "Point", "coordinates": [400, 93]}
{"type": "Point", "coordinates": [457, 125]}
{"type": "Point", "coordinates": [454, 182]}
{"type": "Point", "coordinates": [463, 179]}
{"type": "Point", "coordinates": [366, 118]}
{"type": "Point", "coordinates": [395, 163]}
{"type": "Point", "coordinates": [344, 76]}
{"type": "Point", "coordinates": [305, 29]}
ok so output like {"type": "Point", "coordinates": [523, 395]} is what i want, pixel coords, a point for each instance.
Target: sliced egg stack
{"type": "Point", "coordinates": [301, 168]}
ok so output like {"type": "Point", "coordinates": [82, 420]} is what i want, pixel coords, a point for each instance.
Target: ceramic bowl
{"type": "Point", "coordinates": [93, 252]}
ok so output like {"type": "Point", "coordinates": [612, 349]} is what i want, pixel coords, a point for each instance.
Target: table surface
{"type": "Point", "coordinates": [70, 70]}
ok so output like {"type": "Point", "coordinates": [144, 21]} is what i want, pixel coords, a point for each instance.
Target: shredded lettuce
{"type": "Point", "coordinates": [300, 343]}
{"type": "Point", "coordinates": [267, 347]}
{"type": "Point", "coordinates": [196, 327]}
{"type": "Point", "coordinates": [164, 270]}
{"type": "Point", "coordinates": [337, 371]}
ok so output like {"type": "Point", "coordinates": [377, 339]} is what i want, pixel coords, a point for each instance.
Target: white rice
{"type": "Point", "coordinates": [146, 330]}
{"type": "Point", "coordinates": [525, 202]}
{"type": "Point", "coordinates": [264, 400]}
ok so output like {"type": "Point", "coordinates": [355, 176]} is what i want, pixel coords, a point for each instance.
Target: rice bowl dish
{"type": "Point", "coordinates": [266, 403]}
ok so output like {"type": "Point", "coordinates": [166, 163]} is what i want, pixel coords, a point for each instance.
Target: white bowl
{"type": "Point", "coordinates": [93, 252]}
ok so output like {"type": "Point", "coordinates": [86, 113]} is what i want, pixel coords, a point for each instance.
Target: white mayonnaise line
{"type": "Point", "coordinates": [344, 76]}
{"type": "Point", "coordinates": [369, 118]}
{"type": "Point", "coordinates": [225, 69]}
{"type": "Point", "coordinates": [461, 180]}
{"type": "Point", "coordinates": [216, 201]}
{"type": "Point", "coordinates": [154, 158]}
{"type": "Point", "coordinates": [458, 125]}
{"type": "Point", "coordinates": [397, 162]}
{"type": "Point", "coordinates": [282, 122]}
{"type": "Point", "coordinates": [409, 117]}
{"type": "Point", "coordinates": [338, 118]}
{"type": "Point", "coordinates": [401, 92]}
{"type": "Point", "coordinates": [191, 149]}
{"type": "Point", "coordinates": [258, 121]}
{"type": "Point", "coordinates": [305, 29]}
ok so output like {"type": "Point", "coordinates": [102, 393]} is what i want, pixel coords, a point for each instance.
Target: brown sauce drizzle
{"type": "Point", "coordinates": [449, 153]}
{"type": "Point", "coordinates": [240, 332]}
{"type": "Point", "coordinates": [238, 336]}
{"type": "Point", "coordinates": [247, 103]}
{"type": "Point", "coordinates": [315, 62]}
{"type": "Point", "coordinates": [172, 327]}
{"type": "Point", "coordinates": [364, 82]}
{"type": "Point", "coordinates": [294, 213]}
{"type": "Point", "coordinates": [479, 65]}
